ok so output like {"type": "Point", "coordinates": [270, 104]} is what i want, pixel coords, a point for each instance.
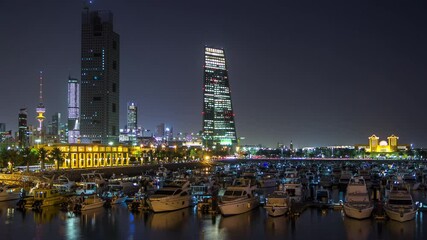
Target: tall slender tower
{"type": "Point", "coordinates": [73, 110]}
{"type": "Point", "coordinates": [40, 110]}
{"type": "Point", "coordinates": [218, 117]}
{"type": "Point", "coordinates": [100, 85]}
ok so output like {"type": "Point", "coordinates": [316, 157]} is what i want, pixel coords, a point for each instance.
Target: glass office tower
{"type": "Point", "coordinates": [218, 118]}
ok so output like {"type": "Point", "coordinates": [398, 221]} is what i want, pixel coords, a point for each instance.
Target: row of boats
{"type": "Point", "coordinates": [216, 191]}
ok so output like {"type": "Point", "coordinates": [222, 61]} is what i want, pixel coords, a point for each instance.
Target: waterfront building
{"type": "Point", "coordinates": [23, 140]}
{"type": "Point", "coordinates": [100, 81]}
{"type": "Point", "coordinates": [91, 155]}
{"type": "Point", "coordinates": [389, 146]}
{"type": "Point", "coordinates": [218, 116]}
{"type": "Point", "coordinates": [73, 110]}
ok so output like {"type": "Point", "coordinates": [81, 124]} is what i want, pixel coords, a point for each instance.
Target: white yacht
{"type": "Point", "coordinates": [357, 204]}
{"type": "Point", "coordinates": [277, 203]}
{"type": "Point", "coordinates": [9, 193]}
{"type": "Point", "coordinates": [400, 205]}
{"type": "Point", "coordinates": [171, 197]}
{"type": "Point", "coordinates": [239, 198]}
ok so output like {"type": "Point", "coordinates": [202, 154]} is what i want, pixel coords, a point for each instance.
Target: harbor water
{"type": "Point", "coordinates": [118, 222]}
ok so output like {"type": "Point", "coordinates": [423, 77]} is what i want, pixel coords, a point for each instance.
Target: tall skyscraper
{"type": "Point", "coordinates": [218, 117]}
{"type": "Point", "coordinates": [132, 117]}
{"type": "Point", "coordinates": [23, 128]}
{"type": "Point", "coordinates": [100, 82]}
{"type": "Point", "coordinates": [56, 124]}
{"type": "Point", "coordinates": [73, 110]}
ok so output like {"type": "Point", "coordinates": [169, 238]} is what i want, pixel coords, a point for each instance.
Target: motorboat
{"type": "Point", "coordinates": [277, 203]}
{"type": "Point", "coordinates": [344, 179]}
{"type": "Point", "coordinates": [295, 190]}
{"type": "Point", "coordinates": [90, 183]}
{"type": "Point", "coordinates": [8, 193]}
{"type": "Point", "coordinates": [357, 203]}
{"type": "Point", "coordinates": [88, 203]}
{"type": "Point", "coordinates": [173, 196]}
{"type": "Point", "coordinates": [44, 197]}
{"type": "Point", "coordinates": [267, 181]}
{"type": "Point", "coordinates": [63, 184]}
{"type": "Point", "coordinates": [322, 196]}
{"type": "Point", "coordinates": [240, 197]}
{"type": "Point", "coordinates": [399, 205]}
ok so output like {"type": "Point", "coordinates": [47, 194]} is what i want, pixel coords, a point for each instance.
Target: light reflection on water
{"type": "Point", "coordinates": [119, 223]}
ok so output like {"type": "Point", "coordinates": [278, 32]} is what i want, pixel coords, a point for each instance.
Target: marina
{"type": "Point", "coordinates": [199, 197]}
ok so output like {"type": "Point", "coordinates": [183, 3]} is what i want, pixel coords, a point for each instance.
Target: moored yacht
{"type": "Point", "coordinates": [357, 204]}
{"type": "Point", "coordinates": [91, 202]}
{"type": "Point", "coordinates": [239, 198]}
{"type": "Point", "coordinates": [171, 197]}
{"type": "Point", "coordinates": [400, 205]}
{"type": "Point", "coordinates": [277, 203]}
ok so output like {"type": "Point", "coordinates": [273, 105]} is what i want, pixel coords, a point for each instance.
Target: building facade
{"type": "Point", "coordinates": [100, 81]}
{"type": "Point", "coordinates": [218, 116]}
{"type": "Point", "coordinates": [73, 110]}
{"type": "Point", "coordinates": [23, 139]}
{"type": "Point", "coordinates": [383, 146]}
{"type": "Point", "coordinates": [132, 117]}
{"type": "Point", "coordinates": [91, 155]}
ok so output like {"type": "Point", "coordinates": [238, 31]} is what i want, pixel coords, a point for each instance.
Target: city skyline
{"type": "Point", "coordinates": [312, 73]}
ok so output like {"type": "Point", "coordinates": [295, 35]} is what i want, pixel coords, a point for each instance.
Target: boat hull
{"type": "Point", "coordinates": [276, 211]}
{"type": "Point", "coordinates": [167, 204]}
{"type": "Point", "coordinates": [400, 215]}
{"type": "Point", "coordinates": [238, 207]}
{"type": "Point", "coordinates": [358, 212]}
{"type": "Point", "coordinates": [9, 196]}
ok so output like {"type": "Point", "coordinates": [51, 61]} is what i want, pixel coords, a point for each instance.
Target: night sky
{"type": "Point", "coordinates": [315, 72]}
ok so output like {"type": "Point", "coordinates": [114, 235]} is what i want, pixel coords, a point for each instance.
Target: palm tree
{"type": "Point", "coordinates": [56, 154]}
{"type": "Point", "coordinates": [25, 153]}
{"type": "Point", "coordinates": [42, 157]}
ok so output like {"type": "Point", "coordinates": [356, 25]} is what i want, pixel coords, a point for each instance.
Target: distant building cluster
{"type": "Point", "coordinates": [93, 102]}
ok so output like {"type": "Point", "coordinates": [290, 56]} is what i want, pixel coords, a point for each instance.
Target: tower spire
{"type": "Point", "coordinates": [40, 108]}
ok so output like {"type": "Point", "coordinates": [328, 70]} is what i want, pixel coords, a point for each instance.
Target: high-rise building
{"type": "Point", "coordinates": [2, 127]}
{"type": "Point", "coordinates": [100, 82]}
{"type": "Point", "coordinates": [73, 110]}
{"type": "Point", "coordinates": [23, 128]}
{"type": "Point", "coordinates": [56, 124]}
{"type": "Point", "coordinates": [132, 117]}
{"type": "Point", "coordinates": [218, 117]}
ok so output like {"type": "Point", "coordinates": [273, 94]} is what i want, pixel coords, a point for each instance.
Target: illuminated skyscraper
{"type": "Point", "coordinates": [23, 128]}
{"type": "Point", "coordinates": [100, 85]}
{"type": "Point", "coordinates": [73, 110]}
{"type": "Point", "coordinates": [132, 118]}
{"type": "Point", "coordinates": [218, 117]}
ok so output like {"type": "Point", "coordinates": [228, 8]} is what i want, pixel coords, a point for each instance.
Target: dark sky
{"type": "Point", "coordinates": [314, 72]}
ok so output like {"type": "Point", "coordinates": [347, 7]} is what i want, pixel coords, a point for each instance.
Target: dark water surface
{"type": "Point", "coordinates": [118, 223]}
